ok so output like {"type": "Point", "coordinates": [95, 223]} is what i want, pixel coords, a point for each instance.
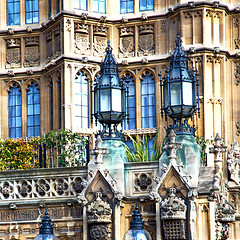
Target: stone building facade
{"type": "Point", "coordinates": [50, 54]}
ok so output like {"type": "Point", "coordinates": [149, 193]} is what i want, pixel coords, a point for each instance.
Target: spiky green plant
{"type": "Point", "coordinates": [139, 151]}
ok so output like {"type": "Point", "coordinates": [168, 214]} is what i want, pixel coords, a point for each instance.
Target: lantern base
{"type": "Point", "coordinates": [181, 127]}
{"type": "Point", "coordinates": [110, 132]}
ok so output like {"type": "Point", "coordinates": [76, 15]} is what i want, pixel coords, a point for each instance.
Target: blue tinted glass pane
{"type": "Point", "coordinates": [149, 5]}
{"type": "Point", "coordinates": [37, 131]}
{"type": "Point", "coordinates": [123, 7]}
{"type": "Point", "coordinates": [76, 4]}
{"type": "Point", "coordinates": [18, 132]}
{"type": "Point", "coordinates": [37, 109]}
{"type": "Point", "coordinates": [142, 5]}
{"type": "Point", "coordinates": [35, 5]}
{"type": "Point", "coordinates": [18, 121]}
{"type": "Point", "coordinates": [132, 124]}
{"type": "Point", "coordinates": [151, 122]}
{"type": "Point", "coordinates": [17, 7]}
{"type": "Point", "coordinates": [29, 18]}
{"type": "Point", "coordinates": [37, 120]}
{"type": "Point", "coordinates": [95, 6]}
{"type": "Point", "coordinates": [18, 111]}
{"type": "Point", "coordinates": [30, 99]}
{"type": "Point", "coordinates": [12, 133]}
{"type": "Point", "coordinates": [101, 7]}
{"type": "Point", "coordinates": [36, 98]}
{"type": "Point", "coordinates": [130, 7]}
{"type": "Point", "coordinates": [30, 120]}
{"type": "Point", "coordinates": [83, 4]}
{"type": "Point", "coordinates": [30, 109]}
{"type": "Point", "coordinates": [30, 132]}
{"type": "Point", "coordinates": [35, 17]}
{"type": "Point", "coordinates": [10, 8]}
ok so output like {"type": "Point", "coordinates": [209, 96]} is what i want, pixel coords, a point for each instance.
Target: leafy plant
{"type": "Point", "coordinates": [203, 144]}
{"type": "Point", "coordinates": [139, 151]}
{"type": "Point", "coordinates": [66, 148]}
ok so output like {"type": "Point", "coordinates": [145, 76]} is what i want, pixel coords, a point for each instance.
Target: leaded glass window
{"type": "Point", "coordinates": [80, 4]}
{"type": "Point", "coordinates": [131, 104]}
{"type": "Point", "coordinates": [81, 101]}
{"type": "Point", "coordinates": [126, 6]}
{"type": "Point", "coordinates": [15, 112]}
{"type": "Point", "coordinates": [33, 110]}
{"type": "Point", "coordinates": [148, 101]}
{"type": "Point", "coordinates": [32, 11]}
{"type": "Point", "coordinates": [59, 103]}
{"type": "Point", "coordinates": [99, 6]}
{"type": "Point", "coordinates": [51, 105]}
{"type": "Point", "coordinates": [146, 5]}
{"type": "Point", "coordinates": [13, 12]}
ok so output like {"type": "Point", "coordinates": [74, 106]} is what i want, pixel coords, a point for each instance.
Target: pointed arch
{"type": "Point", "coordinates": [33, 108]}
{"type": "Point", "coordinates": [14, 110]}
{"type": "Point", "coordinates": [81, 98]}
{"type": "Point", "coordinates": [144, 71]}
{"type": "Point", "coordinates": [147, 99]}
{"type": "Point", "coordinates": [130, 72]}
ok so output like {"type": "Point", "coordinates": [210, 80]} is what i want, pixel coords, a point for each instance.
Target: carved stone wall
{"type": "Point", "coordinates": [32, 54]}
{"type": "Point", "coordinates": [13, 53]}
{"type": "Point", "coordinates": [82, 44]}
{"type": "Point", "coordinates": [99, 40]}
{"type": "Point", "coordinates": [146, 40]}
{"type": "Point", "coordinates": [126, 41]}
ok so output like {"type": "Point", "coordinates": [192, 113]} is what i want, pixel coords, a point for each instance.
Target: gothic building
{"type": "Point", "coordinates": [50, 55]}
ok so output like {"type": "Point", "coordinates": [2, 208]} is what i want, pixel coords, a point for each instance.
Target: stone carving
{"type": "Point", "coordinates": [57, 41]}
{"type": "Point", "coordinates": [100, 31]}
{"type": "Point", "coordinates": [172, 147]}
{"type": "Point", "coordinates": [233, 162]}
{"type": "Point", "coordinates": [99, 211]}
{"type": "Point", "coordinates": [41, 188]}
{"type": "Point", "coordinates": [99, 215]}
{"type": "Point", "coordinates": [173, 215]}
{"type": "Point", "coordinates": [32, 55]}
{"type": "Point", "coordinates": [146, 40]}
{"type": "Point", "coordinates": [215, 100]}
{"type": "Point", "coordinates": [68, 25]}
{"type": "Point", "coordinates": [163, 26]}
{"type": "Point", "coordinates": [190, 14]}
{"type": "Point", "coordinates": [225, 211]}
{"type": "Point", "coordinates": [99, 45]}
{"type": "Point", "coordinates": [237, 73]}
{"type": "Point", "coordinates": [126, 42]}
{"type": "Point", "coordinates": [82, 44]}
{"type": "Point", "coordinates": [103, 19]}
{"type": "Point", "coordinates": [222, 231]}
{"type": "Point", "coordinates": [214, 59]}
{"type": "Point", "coordinates": [236, 26]}
{"type": "Point", "coordinates": [213, 14]}
{"type": "Point", "coordinates": [13, 53]}
{"type": "Point", "coordinates": [173, 207]}
{"type": "Point", "coordinates": [143, 181]}
{"type": "Point", "coordinates": [49, 46]}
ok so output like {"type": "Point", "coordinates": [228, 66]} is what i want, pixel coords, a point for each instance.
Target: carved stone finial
{"type": "Point", "coordinates": [172, 147]}
{"type": "Point", "coordinates": [84, 16]}
{"type": "Point", "coordinates": [103, 19]}
{"type": "Point", "coordinates": [11, 73]}
{"type": "Point", "coordinates": [218, 148]}
{"type": "Point", "coordinates": [98, 152]}
{"type": "Point", "coordinates": [144, 60]}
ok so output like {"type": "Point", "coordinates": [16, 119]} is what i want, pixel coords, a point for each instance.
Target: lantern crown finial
{"type": "Point", "coordinates": [137, 222]}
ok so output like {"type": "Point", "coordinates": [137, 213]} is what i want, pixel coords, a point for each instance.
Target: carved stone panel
{"type": "Point", "coordinates": [49, 46]}
{"type": "Point", "coordinates": [99, 45]}
{"type": "Point", "coordinates": [32, 55]}
{"type": "Point", "coordinates": [57, 41]}
{"type": "Point", "coordinates": [236, 33]}
{"type": "Point", "coordinates": [126, 42]}
{"type": "Point", "coordinates": [13, 53]}
{"type": "Point", "coordinates": [143, 182]}
{"type": "Point", "coordinates": [81, 44]}
{"type": "Point", "coordinates": [146, 40]}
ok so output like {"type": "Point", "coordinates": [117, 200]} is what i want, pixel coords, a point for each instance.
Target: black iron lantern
{"type": "Point", "coordinates": [180, 91]}
{"type": "Point", "coordinates": [46, 229]}
{"type": "Point", "coordinates": [110, 94]}
{"type": "Point", "coordinates": [136, 230]}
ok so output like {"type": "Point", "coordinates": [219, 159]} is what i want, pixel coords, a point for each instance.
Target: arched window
{"type": "Point", "coordinates": [59, 84]}
{"type": "Point", "coordinates": [33, 110]}
{"type": "Point", "coordinates": [131, 104]}
{"type": "Point", "coordinates": [148, 101]}
{"type": "Point", "coordinates": [81, 101]}
{"type": "Point", "coordinates": [51, 104]}
{"type": "Point", "coordinates": [32, 9]}
{"type": "Point", "coordinates": [15, 112]}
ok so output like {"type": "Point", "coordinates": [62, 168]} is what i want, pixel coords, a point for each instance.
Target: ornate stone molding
{"type": "Point", "coordinates": [213, 13]}
{"type": "Point", "coordinates": [214, 59]}
{"type": "Point", "coordinates": [233, 162]}
{"type": "Point", "coordinates": [99, 211]}
{"type": "Point", "coordinates": [237, 73]}
{"type": "Point", "coordinates": [215, 100]}
{"type": "Point", "coordinates": [190, 14]}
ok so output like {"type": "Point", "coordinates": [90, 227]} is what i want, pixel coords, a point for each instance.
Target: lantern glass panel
{"type": "Point", "coordinates": [46, 237]}
{"type": "Point", "coordinates": [165, 92]}
{"type": "Point", "coordinates": [175, 94]}
{"type": "Point", "coordinates": [96, 102]}
{"type": "Point", "coordinates": [105, 100]}
{"type": "Point", "coordinates": [187, 93]}
{"type": "Point", "coordinates": [137, 234]}
{"type": "Point", "coordinates": [116, 100]}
